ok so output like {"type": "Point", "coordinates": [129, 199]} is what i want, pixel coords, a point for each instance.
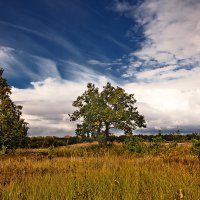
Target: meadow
{"type": "Point", "coordinates": [86, 171]}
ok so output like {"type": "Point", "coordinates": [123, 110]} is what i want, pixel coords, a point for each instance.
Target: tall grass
{"type": "Point", "coordinates": [88, 172]}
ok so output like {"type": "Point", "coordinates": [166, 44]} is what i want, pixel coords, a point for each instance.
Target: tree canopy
{"type": "Point", "coordinates": [98, 112]}
{"type": "Point", "coordinates": [13, 129]}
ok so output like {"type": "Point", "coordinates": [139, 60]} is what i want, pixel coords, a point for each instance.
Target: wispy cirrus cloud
{"type": "Point", "coordinates": [46, 33]}
{"type": "Point", "coordinates": [118, 43]}
{"type": "Point", "coordinates": [27, 67]}
{"type": "Point", "coordinates": [104, 64]}
{"type": "Point", "coordinates": [13, 66]}
{"type": "Point", "coordinates": [121, 6]}
{"type": "Point", "coordinates": [22, 28]}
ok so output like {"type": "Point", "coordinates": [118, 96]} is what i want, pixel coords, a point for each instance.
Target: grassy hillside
{"type": "Point", "coordinates": [85, 171]}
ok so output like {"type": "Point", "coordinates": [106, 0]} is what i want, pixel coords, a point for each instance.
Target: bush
{"type": "Point", "coordinates": [156, 144]}
{"type": "Point", "coordinates": [3, 150]}
{"type": "Point", "coordinates": [51, 152]}
{"type": "Point", "coordinates": [196, 148]}
{"type": "Point", "coordinates": [135, 144]}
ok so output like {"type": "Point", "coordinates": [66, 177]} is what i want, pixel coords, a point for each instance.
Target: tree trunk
{"type": "Point", "coordinates": [99, 128]}
{"type": "Point", "coordinates": [107, 132]}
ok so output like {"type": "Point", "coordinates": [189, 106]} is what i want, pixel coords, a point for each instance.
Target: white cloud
{"type": "Point", "coordinates": [169, 103]}
{"type": "Point", "coordinates": [161, 73]}
{"type": "Point", "coordinates": [6, 56]}
{"type": "Point", "coordinates": [121, 6]}
{"type": "Point", "coordinates": [135, 64]}
{"type": "Point", "coordinates": [104, 64]}
{"type": "Point", "coordinates": [94, 62]}
{"type": "Point", "coordinates": [97, 62]}
{"type": "Point", "coordinates": [9, 62]}
{"type": "Point", "coordinates": [171, 30]}
{"type": "Point", "coordinates": [167, 91]}
{"type": "Point", "coordinates": [5, 52]}
{"type": "Point", "coordinates": [14, 65]}
{"type": "Point", "coordinates": [48, 102]}
{"type": "Point", "coordinates": [47, 67]}
{"type": "Point", "coordinates": [172, 27]}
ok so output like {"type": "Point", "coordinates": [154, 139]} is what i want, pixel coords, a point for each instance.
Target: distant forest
{"type": "Point", "coordinates": [47, 141]}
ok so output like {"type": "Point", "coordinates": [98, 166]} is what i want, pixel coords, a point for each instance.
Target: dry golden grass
{"type": "Point", "coordinates": [112, 173]}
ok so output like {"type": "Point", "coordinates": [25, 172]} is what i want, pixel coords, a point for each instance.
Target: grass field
{"type": "Point", "coordinates": [89, 172]}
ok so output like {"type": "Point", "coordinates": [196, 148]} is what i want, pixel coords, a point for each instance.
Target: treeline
{"type": "Point", "coordinates": [47, 141]}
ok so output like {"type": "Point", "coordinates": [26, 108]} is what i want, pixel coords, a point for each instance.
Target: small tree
{"type": "Point", "coordinates": [13, 129]}
{"type": "Point", "coordinates": [101, 111]}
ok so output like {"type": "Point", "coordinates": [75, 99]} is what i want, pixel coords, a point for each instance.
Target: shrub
{"type": "Point", "coordinates": [51, 152]}
{"type": "Point", "coordinates": [135, 144]}
{"type": "Point", "coordinates": [196, 148]}
{"type": "Point", "coordinates": [156, 144]}
{"type": "Point", "coordinates": [3, 150]}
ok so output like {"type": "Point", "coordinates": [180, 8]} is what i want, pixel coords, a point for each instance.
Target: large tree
{"type": "Point", "coordinates": [13, 129]}
{"type": "Point", "coordinates": [98, 112]}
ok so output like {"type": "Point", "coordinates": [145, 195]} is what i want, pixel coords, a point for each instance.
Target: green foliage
{"type": "Point", "coordinates": [173, 144]}
{"type": "Point", "coordinates": [3, 150]}
{"type": "Point", "coordinates": [135, 144]}
{"type": "Point", "coordinates": [102, 111]}
{"type": "Point", "coordinates": [156, 144]}
{"type": "Point", "coordinates": [195, 136]}
{"type": "Point", "coordinates": [47, 141]}
{"type": "Point", "coordinates": [101, 139]}
{"type": "Point", "coordinates": [176, 136]}
{"type": "Point", "coordinates": [157, 139]}
{"type": "Point", "coordinates": [196, 148]}
{"type": "Point", "coordinates": [51, 152]}
{"type": "Point", "coordinates": [13, 129]}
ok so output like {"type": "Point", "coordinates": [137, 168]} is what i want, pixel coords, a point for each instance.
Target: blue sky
{"type": "Point", "coordinates": [76, 31]}
{"type": "Point", "coordinates": [51, 49]}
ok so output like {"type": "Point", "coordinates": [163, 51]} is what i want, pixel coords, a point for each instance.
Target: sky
{"type": "Point", "coordinates": [51, 49]}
